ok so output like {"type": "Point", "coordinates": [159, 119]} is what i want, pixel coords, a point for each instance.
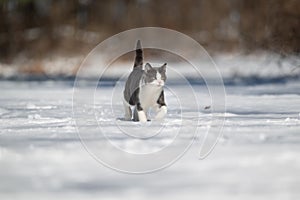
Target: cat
{"type": "Point", "coordinates": [144, 90]}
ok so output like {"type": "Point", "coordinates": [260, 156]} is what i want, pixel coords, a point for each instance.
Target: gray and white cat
{"type": "Point", "coordinates": [144, 90]}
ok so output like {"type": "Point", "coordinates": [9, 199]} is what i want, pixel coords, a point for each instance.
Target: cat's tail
{"type": "Point", "coordinates": [138, 62]}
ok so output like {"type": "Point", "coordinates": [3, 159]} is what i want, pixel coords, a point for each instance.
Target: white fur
{"type": "Point", "coordinates": [158, 81]}
{"type": "Point", "coordinates": [161, 112]}
{"type": "Point", "coordinates": [142, 116]}
{"type": "Point", "coordinates": [148, 95]}
{"type": "Point", "coordinates": [148, 98]}
{"type": "Point", "coordinates": [158, 76]}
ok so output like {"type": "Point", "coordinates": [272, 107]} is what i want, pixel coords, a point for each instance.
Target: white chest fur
{"type": "Point", "coordinates": [149, 95]}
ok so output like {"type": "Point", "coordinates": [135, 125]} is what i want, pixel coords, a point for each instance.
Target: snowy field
{"type": "Point", "coordinates": [257, 157]}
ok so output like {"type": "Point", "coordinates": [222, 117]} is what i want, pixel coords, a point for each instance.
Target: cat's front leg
{"type": "Point", "coordinates": [161, 112]}
{"type": "Point", "coordinates": [139, 114]}
{"type": "Point", "coordinates": [161, 109]}
{"type": "Point", "coordinates": [142, 116]}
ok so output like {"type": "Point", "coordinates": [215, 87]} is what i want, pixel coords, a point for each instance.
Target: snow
{"type": "Point", "coordinates": [43, 155]}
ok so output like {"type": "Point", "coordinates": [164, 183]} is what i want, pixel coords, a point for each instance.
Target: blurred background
{"type": "Point", "coordinates": [256, 46]}
{"type": "Point", "coordinates": [34, 30]}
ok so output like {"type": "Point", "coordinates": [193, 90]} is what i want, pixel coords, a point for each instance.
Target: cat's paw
{"type": "Point", "coordinates": [142, 116]}
{"type": "Point", "coordinates": [161, 113]}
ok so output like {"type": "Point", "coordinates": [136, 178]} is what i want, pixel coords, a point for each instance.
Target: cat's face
{"type": "Point", "coordinates": [155, 75]}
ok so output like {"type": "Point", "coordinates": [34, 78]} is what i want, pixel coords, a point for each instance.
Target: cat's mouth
{"type": "Point", "coordinates": [157, 84]}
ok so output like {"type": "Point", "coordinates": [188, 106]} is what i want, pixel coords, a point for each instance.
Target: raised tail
{"type": "Point", "coordinates": [138, 62]}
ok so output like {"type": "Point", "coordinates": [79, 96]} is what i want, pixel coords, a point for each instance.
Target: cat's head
{"type": "Point", "coordinates": [155, 75]}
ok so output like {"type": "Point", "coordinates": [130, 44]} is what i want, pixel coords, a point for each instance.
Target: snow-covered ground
{"type": "Point", "coordinates": [41, 156]}
{"type": "Point", "coordinates": [258, 156]}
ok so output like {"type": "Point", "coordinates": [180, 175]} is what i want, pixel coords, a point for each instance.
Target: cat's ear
{"type": "Point", "coordinates": [148, 67]}
{"type": "Point", "coordinates": [163, 68]}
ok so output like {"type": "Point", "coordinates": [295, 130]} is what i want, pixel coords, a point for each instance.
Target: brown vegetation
{"type": "Point", "coordinates": [37, 28]}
